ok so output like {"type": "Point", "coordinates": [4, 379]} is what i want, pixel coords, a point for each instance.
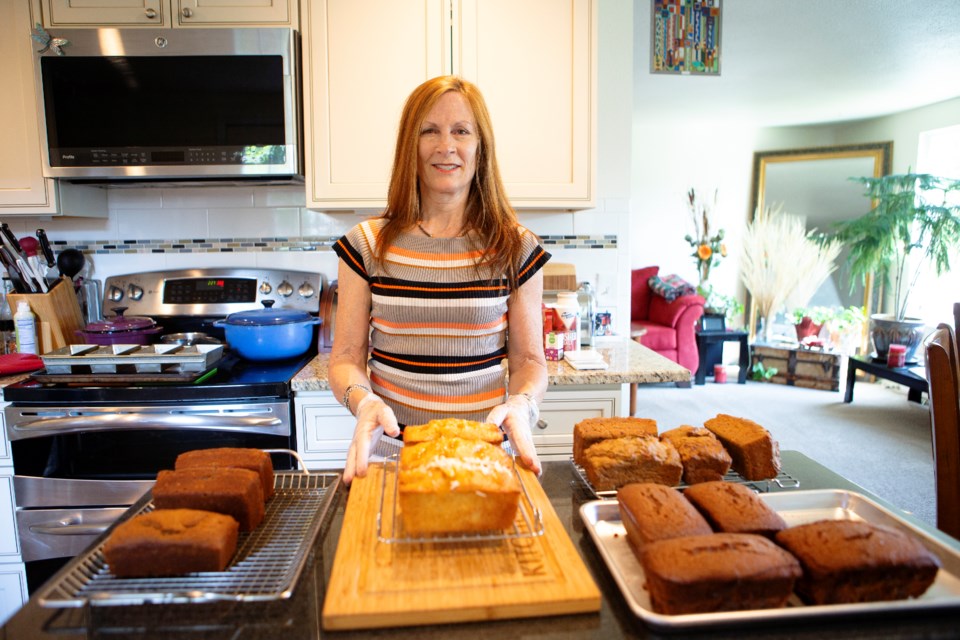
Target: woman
{"type": "Point", "coordinates": [431, 283]}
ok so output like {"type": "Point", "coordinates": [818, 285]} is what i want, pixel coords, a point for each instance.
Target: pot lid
{"type": "Point", "coordinates": [267, 316]}
{"type": "Point", "coordinates": [120, 323]}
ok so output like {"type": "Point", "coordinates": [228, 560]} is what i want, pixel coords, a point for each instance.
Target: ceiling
{"type": "Point", "coordinates": [795, 62]}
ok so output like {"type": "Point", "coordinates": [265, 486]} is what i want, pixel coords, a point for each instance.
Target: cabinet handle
{"type": "Point", "coordinates": [150, 13]}
{"type": "Point", "coordinates": [542, 424]}
{"type": "Point", "coordinates": [187, 12]}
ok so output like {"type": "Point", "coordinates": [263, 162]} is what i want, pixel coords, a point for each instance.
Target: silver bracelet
{"type": "Point", "coordinates": [346, 395]}
{"type": "Point", "coordinates": [534, 408]}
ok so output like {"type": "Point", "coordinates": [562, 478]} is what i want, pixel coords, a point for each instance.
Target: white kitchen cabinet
{"type": "Point", "coordinates": [324, 429]}
{"type": "Point", "coordinates": [13, 589]}
{"type": "Point", "coordinates": [563, 407]}
{"type": "Point", "coordinates": [23, 189]}
{"type": "Point", "coordinates": [169, 13]}
{"type": "Point", "coordinates": [534, 61]}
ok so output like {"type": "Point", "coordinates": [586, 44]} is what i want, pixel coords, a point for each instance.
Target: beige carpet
{"type": "Point", "coordinates": [880, 441]}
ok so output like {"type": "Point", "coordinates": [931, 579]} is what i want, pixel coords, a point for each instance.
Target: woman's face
{"type": "Point", "coordinates": [448, 148]}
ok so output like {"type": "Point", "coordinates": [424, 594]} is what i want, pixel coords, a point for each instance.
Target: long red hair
{"type": "Point", "coordinates": [490, 219]}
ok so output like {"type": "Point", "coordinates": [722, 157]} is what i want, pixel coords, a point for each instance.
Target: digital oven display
{"type": "Point", "coordinates": [209, 290]}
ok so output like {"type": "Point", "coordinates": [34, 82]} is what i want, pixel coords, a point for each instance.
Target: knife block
{"type": "Point", "coordinates": [58, 314]}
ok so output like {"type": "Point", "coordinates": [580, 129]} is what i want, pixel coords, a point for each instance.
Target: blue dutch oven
{"type": "Point", "coordinates": [269, 334]}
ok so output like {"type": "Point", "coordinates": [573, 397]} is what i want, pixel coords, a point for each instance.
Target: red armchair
{"type": "Point", "coordinates": [670, 326]}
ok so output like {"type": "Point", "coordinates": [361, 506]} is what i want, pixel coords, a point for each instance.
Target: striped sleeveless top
{"type": "Point", "coordinates": [438, 329]}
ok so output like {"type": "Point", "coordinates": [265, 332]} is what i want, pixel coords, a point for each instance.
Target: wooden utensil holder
{"type": "Point", "coordinates": [58, 314]}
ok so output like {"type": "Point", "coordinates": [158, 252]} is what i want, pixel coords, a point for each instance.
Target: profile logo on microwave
{"type": "Point", "coordinates": [68, 156]}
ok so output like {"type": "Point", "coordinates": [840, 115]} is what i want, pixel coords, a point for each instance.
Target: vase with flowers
{"type": "Point", "coordinates": [708, 247]}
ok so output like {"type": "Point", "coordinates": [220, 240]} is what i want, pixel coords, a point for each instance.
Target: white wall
{"type": "Point", "coordinates": [668, 160]}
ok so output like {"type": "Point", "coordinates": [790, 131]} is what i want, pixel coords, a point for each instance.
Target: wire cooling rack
{"type": "Point", "coordinates": [783, 480]}
{"type": "Point", "coordinates": [266, 566]}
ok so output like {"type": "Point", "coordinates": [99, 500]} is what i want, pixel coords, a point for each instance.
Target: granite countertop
{"type": "Point", "coordinates": [628, 362]}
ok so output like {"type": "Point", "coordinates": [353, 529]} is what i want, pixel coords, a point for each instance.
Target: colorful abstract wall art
{"type": "Point", "coordinates": [685, 37]}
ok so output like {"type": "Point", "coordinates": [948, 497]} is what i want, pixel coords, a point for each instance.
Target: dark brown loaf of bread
{"type": "Point", "coordinates": [255, 460]}
{"type": "Point", "coordinates": [756, 455]}
{"type": "Point", "coordinates": [845, 561]}
{"type": "Point", "coordinates": [611, 464]}
{"type": "Point", "coordinates": [171, 542]}
{"type": "Point", "coordinates": [593, 430]}
{"type": "Point", "coordinates": [652, 512]}
{"type": "Point", "coordinates": [703, 457]}
{"type": "Point", "coordinates": [733, 508]}
{"type": "Point", "coordinates": [717, 572]}
{"type": "Point", "coordinates": [234, 492]}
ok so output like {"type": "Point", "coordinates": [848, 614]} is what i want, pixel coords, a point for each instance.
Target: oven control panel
{"type": "Point", "coordinates": [212, 292]}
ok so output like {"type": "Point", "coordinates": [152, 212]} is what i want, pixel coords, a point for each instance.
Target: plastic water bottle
{"type": "Point", "coordinates": [588, 303]}
{"type": "Point", "coordinates": [26, 326]}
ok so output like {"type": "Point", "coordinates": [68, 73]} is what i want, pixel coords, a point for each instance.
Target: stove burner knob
{"type": "Point", "coordinates": [285, 289]}
{"type": "Point", "coordinates": [265, 288]}
{"type": "Point", "coordinates": [306, 290]}
{"type": "Point", "coordinates": [115, 294]}
{"type": "Point", "coordinates": [135, 292]}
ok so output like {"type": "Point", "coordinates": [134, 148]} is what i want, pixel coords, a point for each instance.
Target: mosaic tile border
{"type": "Point", "coordinates": [317, 243]}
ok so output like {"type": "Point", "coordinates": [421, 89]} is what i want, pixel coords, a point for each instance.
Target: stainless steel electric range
{"type": "Point", "coordinates": [83, 452]}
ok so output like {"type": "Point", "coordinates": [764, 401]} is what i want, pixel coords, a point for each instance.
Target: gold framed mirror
{"type": "Point", "coordinates": [814, 183]}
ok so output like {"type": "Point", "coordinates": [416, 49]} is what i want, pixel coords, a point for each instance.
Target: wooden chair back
{"type": "Point", "coordinates": [942, 376]}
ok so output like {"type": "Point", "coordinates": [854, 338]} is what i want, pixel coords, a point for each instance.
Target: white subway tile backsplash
{"type": "Point", "coordinates": [134, 198]}
{"type": "Point", "coordinates": [207, 197]}
{"type": "Point", "coordinates": [323, 224]}
{"type": "Point", "coordinates": [254, 223]}
{"type": "Point", "coordinates": [552, 223]}
{"type": "Point", "coordinates": [145, 224]}
{"type": "Point", "coordinates": [280, 196]}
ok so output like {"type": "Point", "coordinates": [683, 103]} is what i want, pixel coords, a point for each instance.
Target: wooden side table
{"type": "Point", "coordinates": [707, 338]}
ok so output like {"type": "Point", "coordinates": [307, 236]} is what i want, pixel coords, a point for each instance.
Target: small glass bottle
{"type": "Point", "coordinates": [8, 337]}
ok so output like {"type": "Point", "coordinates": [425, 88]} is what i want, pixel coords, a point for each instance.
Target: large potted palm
{"type": "Point", "coordinates": [915, 222]}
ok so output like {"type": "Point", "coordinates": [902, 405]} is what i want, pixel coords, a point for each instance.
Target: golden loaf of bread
{"type": "Point", "coordinates": [453, 428]}
{"type": "Point", "coordinates": [452, 485]}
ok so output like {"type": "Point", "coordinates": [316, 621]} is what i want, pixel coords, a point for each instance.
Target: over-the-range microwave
{"type": "Point", "coordinates": [170, 104]}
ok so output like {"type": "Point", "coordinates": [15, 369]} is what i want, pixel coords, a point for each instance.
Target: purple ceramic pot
{"type": "Point", "coordinates": [121, 329]}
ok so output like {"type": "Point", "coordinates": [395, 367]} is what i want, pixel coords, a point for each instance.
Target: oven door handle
{"type": "Point", "coordinates": [60, 528]}
{"type": "Point", "coordinates": [128, 421]}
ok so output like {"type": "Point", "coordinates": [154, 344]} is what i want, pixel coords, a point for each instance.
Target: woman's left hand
{"type": "Point", "coordinates": [515, 417]}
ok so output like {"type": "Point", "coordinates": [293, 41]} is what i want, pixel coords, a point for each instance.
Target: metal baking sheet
{"type": "Point", "coordinates": [266, 566]}
{"type": "Point", "coordinates": [602, 520]}
{"type": "Point", "coordinates": [142, 358]}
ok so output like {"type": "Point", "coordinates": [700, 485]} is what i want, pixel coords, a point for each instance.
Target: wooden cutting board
{"type": "Point", "coordinates": [376, 584]}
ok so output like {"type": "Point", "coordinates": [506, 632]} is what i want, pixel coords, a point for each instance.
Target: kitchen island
{"type": "Point", "coordinates": [299, 616]}
{"type": "Point", "coordinates": [628, 362]}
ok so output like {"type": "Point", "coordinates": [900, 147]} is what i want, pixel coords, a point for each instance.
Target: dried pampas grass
{"type": "Point", "coordinates": [782, 264]}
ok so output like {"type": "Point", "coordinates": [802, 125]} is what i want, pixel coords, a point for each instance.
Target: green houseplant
{"type": "Point", "coordinates": [913, 222]}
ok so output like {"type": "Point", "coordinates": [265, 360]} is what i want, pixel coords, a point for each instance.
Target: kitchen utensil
{"type": "Point", "coordinates": [544, 575]}
{"type": "Point", "coordinates": [269, 334]}
{"type": "Point", "coordinates": [121, 329]}
{"type": "Point", "coordinates": [91, 300]}
{"type": "Point", "coordinates": [188, 338]}
{"type": "Point", "coordinates": [45, 248]}
{"type": "Point", "coordinates": [70, 262]}
{"type": "Point", "coordinates": [30, 245]}
{"type": "Point", "coordinates": [57, 311]}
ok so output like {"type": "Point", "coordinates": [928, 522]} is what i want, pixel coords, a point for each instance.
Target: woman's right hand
{"type": "Point", "coordinates": [374, 418]}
